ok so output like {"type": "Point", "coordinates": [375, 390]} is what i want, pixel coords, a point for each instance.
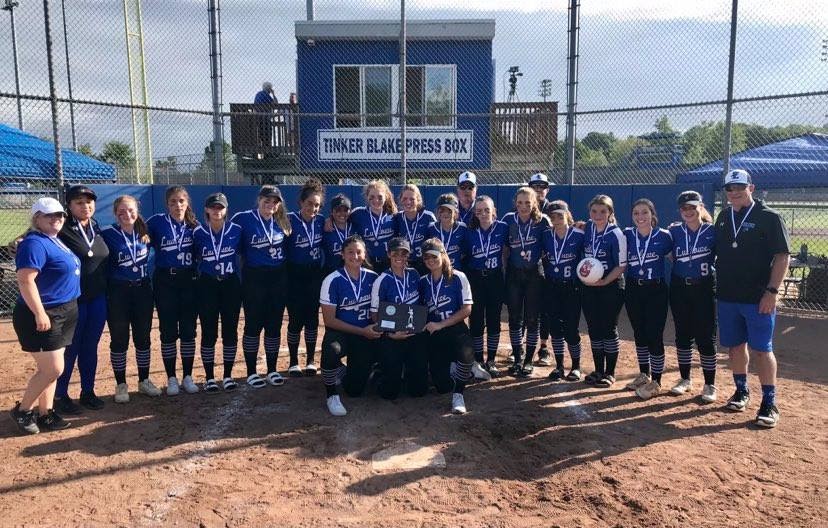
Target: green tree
{"type": "Point", "coordinates": [117, 153]}
{"type": "Point", "coordinates": [599, 141]}
{"type": "Point", "coordinates": [663, 125]}
{"type": "Point", "coordinates": [207, 161]}
{"type": "Point", "coordinates": [619, 154]}
{"type": "Point", "coordinates": [86, 150]}
{"type": "Point", "coordinates": [586, 157]}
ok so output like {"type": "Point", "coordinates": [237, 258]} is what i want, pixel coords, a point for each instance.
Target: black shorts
{"type": "Point", "coordinates": [64, 318]}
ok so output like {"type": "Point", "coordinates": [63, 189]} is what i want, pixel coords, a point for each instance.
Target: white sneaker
{"type": "Point", "coordinates": [335, 406]}
{"type": "Point", "coordinates": [122, 393]}
{"type": "Point", "coordinates": [458, 404]}
{"type": "Point", "coordinates": [148, 388]}
{"type": "Point", "coordinates": [709, 393]}
{"type": "Point", "coordinates": [639, 381]}
{"type": "Point", "coordinates": [479, 372]}
{"type": "Point", "coordinates": [172, 387]}
{"type": "Point", "coordinates": [189, 385]}
{"type": "Point", "coordinates": [682, 387]}
{"type": "Point", "coordinates": [648, 390]}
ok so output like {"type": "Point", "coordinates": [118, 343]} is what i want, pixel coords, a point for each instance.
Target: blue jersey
{"type": "Point", "coordinates": [352, 297]}
{"type": "Point", "coordinates": [58, 269]}
{"type": "Point", "coordinates": [609, 246]}
{"type": "Point", "coordinates": [525, 240]}
{"type": "Point", "coordinates": [332, 244]}
{"type": "Point", "coordinates": [172, 242]}
{"type": "Point", "coordinates": [465, 215]}
{"type": "Point", "coordinates": [262, 242]}
{"type": "Point", "coordinates": [485, 248]}
{"type": "Point", "coordinates": [304, 244]}
{"type": "Point", "coordinates": [454, 240]}
{"type": "Point", "coordinates": [375, 230]}
{"type": "Point", "coordinates": [645, 254]}
{"type": "Point", "coordinates": [392, 288]}
{"type": "Point", "coordinates": [444, 298]}
{"type": "Point", "coordinates": [562, 254]}
{"type": "Point", "coordinates": [693, 250]}
{"type": "Point", "coordinates": [128, 256]}
{"type": "Point", "coordinates": [206, 243]}
{"type": "Point", "coordinates": [415, 231]}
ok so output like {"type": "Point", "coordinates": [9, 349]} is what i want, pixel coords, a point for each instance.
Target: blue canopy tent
{"type": "Point", "coordinates": [792, 163]}
{"type": "Point", "coordinates": [27, 158]}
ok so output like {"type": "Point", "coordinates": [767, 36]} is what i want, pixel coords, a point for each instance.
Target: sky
{"type": "Point", "coordinates": [632, 53]}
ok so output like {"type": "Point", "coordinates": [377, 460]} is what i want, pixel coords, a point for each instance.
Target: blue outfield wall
{"type": "Point", "coordinates": [151, 197]}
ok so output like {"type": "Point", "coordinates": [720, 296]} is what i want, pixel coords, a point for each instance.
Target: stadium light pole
{"type": "Point", "coordinates": [9, 6]}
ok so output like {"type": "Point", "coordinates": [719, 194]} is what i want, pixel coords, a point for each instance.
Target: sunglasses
{"type": "Point", "coordinates": [735, 187]}
{"type": "Point", "coordinates": [466, 187]}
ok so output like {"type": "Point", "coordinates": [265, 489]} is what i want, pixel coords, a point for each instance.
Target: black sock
{"type": "Point", "coordinates": [709, 377]}
{"type": "Point", "coordinates": [657, 378]}
{"type": "Point", "coordinates": [330, 390]}
{"type": "Point", "coordinates": [120, 377]}
{"type": "Point", "coordinates": [209, 370]}
{"type": "Point", "coordinates": [684, 371]}
{"type": "Point", "coordinates": [228, 369]}
{"type": "Point", "coordinates": [270, 361]}
{"type": "Point", "coordinates": [310, 351]}
{"type": "Point", "coordinates": [644, 368]}
{"type": "Point", "coordinates": [598, 358]}
{"type": "Point", "coordinates": [187, 366]}
{"type": "Point", "coordinates": [143, 373]}
{"type": "Point", "coordinates": [250, 361]}
{"type": "Point", "coordinates": [169, 366]}
{"type": "Point", "coordinates": [612, 359]}
{"type": "Point", "coordinates": [293, 350]}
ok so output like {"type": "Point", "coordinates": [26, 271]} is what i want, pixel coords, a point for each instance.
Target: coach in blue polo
{"type": "Point", "coordinates": [752, 256]}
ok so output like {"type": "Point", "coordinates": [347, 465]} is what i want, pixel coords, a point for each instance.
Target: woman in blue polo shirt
{"type": "Point", "coordinates": [486, 240]}
{"type": "Point", "coordinates": [646, 295]}
{"type": "Point", "coordinates": [304, 265]}
{"type": "Point", "coordinates": [44, 318]}
{"type": "Point", "coordinates": [563, 248]}
{"type": "Point", "coordinates": [173, 283]}
{"type": "Point", "coordinates": [601, 301]}
{"type": "Point", "coordinates": [374, 223]}
{"type": "Point", "coordinates": [412, 222]}
{"type": "Point", "coordinates": [448, 296]}
{"type": "Point", "coordinates": [264, 231]}
{"type": "Point", "coordinates": [692, 289]}
{"type": "Point", "coordinates": [345, 297]}
{"type": "Point", "coordinates": [129, 299]}
{"type": "Point", "coordinates": [337, 229]}
{"type": "Point", "coordinates": [215, 245]}
{"type": "Point", "coordinates": [449, 229]}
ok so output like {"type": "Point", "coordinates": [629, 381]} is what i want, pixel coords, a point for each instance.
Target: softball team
{"type": "Point", "coordinates": [375, 222]}
{"type": "Point", "coordinates": [449, 229]}
{"type": "Point", "coordinates": [412, 223]}
{"type": "Point", "coordinates": [338, 228]}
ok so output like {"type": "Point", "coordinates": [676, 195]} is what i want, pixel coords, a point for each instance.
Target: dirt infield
{"type": "Point", "coordinates": [529, 453]}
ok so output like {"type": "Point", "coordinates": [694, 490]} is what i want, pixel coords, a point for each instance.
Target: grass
{"type": "Point", "coordinates": [13, 222]}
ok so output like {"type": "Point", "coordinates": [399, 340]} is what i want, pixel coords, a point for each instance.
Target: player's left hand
{"type": "Point", "coordinates": [399, 336]}
{"type": "Point", "coordinates": [433, 327]}
{"type": "Point", "coordinates": [767, 305]}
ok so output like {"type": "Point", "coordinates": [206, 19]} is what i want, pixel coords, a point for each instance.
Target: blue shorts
{"type": "Point", "coordinates": [742, 323]}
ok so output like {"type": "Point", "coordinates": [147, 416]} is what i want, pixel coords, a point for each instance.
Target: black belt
{"type": "Point", "coordinates": [646, 282]}
{"type": "Point", "coordinates": [691, 281]}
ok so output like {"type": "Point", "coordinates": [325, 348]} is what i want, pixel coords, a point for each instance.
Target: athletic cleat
{"type": "Point", "coordinates": [526, 371]}
{"type": "Point", "coordinates": [593, 377]}
{"type": "Point", "coordinates": [295, 371]}
{"type": "Point", "coordinates": [52, 421]}
{"type": "Point", "coordinates": [173, 389]}
{"type": "Point", "coordinates": [91, 401]}
{"type": "Point", "coordinates": [122, 393]}
{"type": "Point", "coordinates": [682, 387]}
{"type": "Point", "coordinates": [479, 372]}
{"type": "Point", "coordinates": [458, 404]}
{"type": "Point", "coordinates": [606, 382]}
{"type": "Point", "coordinates": [26, 421]}
{"type": "Point", "coordinates": [556, 374]}
{"type": "Point", "coordinates": [67, 406]}
{"type": "Point", "coordinates": [544, 358]}
{"type": "Point", "coordinates": [335, 406]}
{"type": "Point", "coordinates": [310, 370]}
{"type": "Point", "coordinates": [768, 416]}
{"type": "Point", "coordinates": [640, 380]}
{"type": "Point", "coordinates": [189, 385]}
{"type": "Point", "coordinates": [739, 401]}
{"type": "Point", "coordinates": [709, 394]}
{"type": "Point", "coordinates": [648, 390]}
{"type": "Point", "coordinates": [515, 368]}
{"type": "Point", "coordinates": [492, 369]}
{"type": "Point", "coordinates": [574, 375]}
{"type": "Point", "coordinates": [147, 387]}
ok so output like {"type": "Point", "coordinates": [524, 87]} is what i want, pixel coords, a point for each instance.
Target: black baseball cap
{"type": "Point", "coordinates": [689, 198]}
{"type": "Point", "coordinates": [449, 201]}
{"type": "Point", "coordinates": [398, 243]}
{"type": "Point", "coordinates": [216, 199]}
{"type": "Point", "coordinates": [556, 206]}
{"type": "Point", "coordinates": [270, 191]}
{"type": "Point", "coordinates": [433, 247]}
{"type": "Point", "coordinates": [340, 200]}
{"type": "Point", "coordinates": [76, 191]}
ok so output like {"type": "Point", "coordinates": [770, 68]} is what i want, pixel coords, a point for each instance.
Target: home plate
{"type": "Point", "coordinates": [407, 455]}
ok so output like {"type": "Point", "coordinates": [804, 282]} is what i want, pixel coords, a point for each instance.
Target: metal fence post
{"type": "Point", "coordinates": [215, 78]}
{"type": "Point", "coordinates": [731, 63]}
{"type": "Point", "coordinates": [403, 98]}
{"type": "Point", "coordinates": [53, 102]}
{"type": "Point", "coordinates": [572, 88]}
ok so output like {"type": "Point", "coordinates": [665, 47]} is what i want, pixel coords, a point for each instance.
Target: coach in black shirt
{"type": "Point", "coordinates": [752, 258]}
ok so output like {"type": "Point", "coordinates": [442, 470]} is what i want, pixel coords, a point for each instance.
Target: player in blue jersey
{"type": "Point", "coordinates": [129, 299]}
{"type": "Point", "coordinates": [602, 301]}
{"type": "Point", "coordinates": [337, 229]}
{"type": "Point", "coordinates": [692, 293]}
{"type": "Point", "coordinates": [173, 283]}
{"type": "Point", "coordinates": [215, 245]}
{"type": "Point", "coordinates": [374, 223]}
{"type": "Point", "coordinates": [304, 264]}
{"type": "Point", "coordinates": [345, 297]}
{"type": "Point", "coordinates": [449, 229]}
{"type": "Point", "coordinates": [412, 222]}
{"type": "Point", "coordinates": [486, 241]}
{"type": "Point", "coordinates": [646, 295]}
{"type": "Point", "coordinates": [399, 351]}
{"type": "Point", "coordinates": [524, 283]}
{"type": "Point", "coordinates": [264, 281]}
{"type": "Point", "coordinates": [46, 312]}
{"type": "Point", "coordinates": [466, 195]}
{"type": "Point", "coordinates": [448, 296]}
{"type": "Point", "coordinates": [563, 249]}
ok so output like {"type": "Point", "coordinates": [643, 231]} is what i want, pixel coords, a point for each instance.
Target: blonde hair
{"type": "Point", "coordinates": [418, 196]}
{"type": "Point", "coordinates": [140, 225]}
{"type": "Point", "coordinates": [445, 260]}
{"type": "Point", "coordinates": [603, 199]}
{"type": "Point", "coordinates": [280, 216]}
{"type": "Point", "coordinates": [388, 206]}
{"type": "Point", "coordinates": [535, 215]}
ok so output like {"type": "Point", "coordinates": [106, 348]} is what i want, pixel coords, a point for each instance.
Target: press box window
{"type": "Point", "coordinates": [348, 92]}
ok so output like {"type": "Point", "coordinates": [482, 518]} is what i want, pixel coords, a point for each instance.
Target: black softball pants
{"type": "Point", "coordinates": [562, 305]}
{"type": "Point", "coordinates": [451, 344]}
{"type": "Point", "coordinates": [304, 284]}
{"type": "Point", "coordinates": [219, 299]}
{"type": "Point", "coordinates": [403, 360]}
{"type": "Point", "coordinates": [361, 353]}
{"type": "Point", "coordinates": [694, 316]}
{"type": "Point", "coordinates": [488, 291]}
{"type": "Point", "coordinates": [524, 289]}
{"type": "Point", "coordinates": [129, 307]}
{"type": "Point", "coordinates": [647, 309]}
{"type": "Point", "coordinates": [175, 301]}
{"type": "Point", "coordinates": [263, 298]}
{"type": "Point", "coordinates": [601, 306]}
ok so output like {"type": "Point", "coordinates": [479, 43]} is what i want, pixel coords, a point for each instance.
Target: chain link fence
{"type": "Point", "coordinates": [137, 84]}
